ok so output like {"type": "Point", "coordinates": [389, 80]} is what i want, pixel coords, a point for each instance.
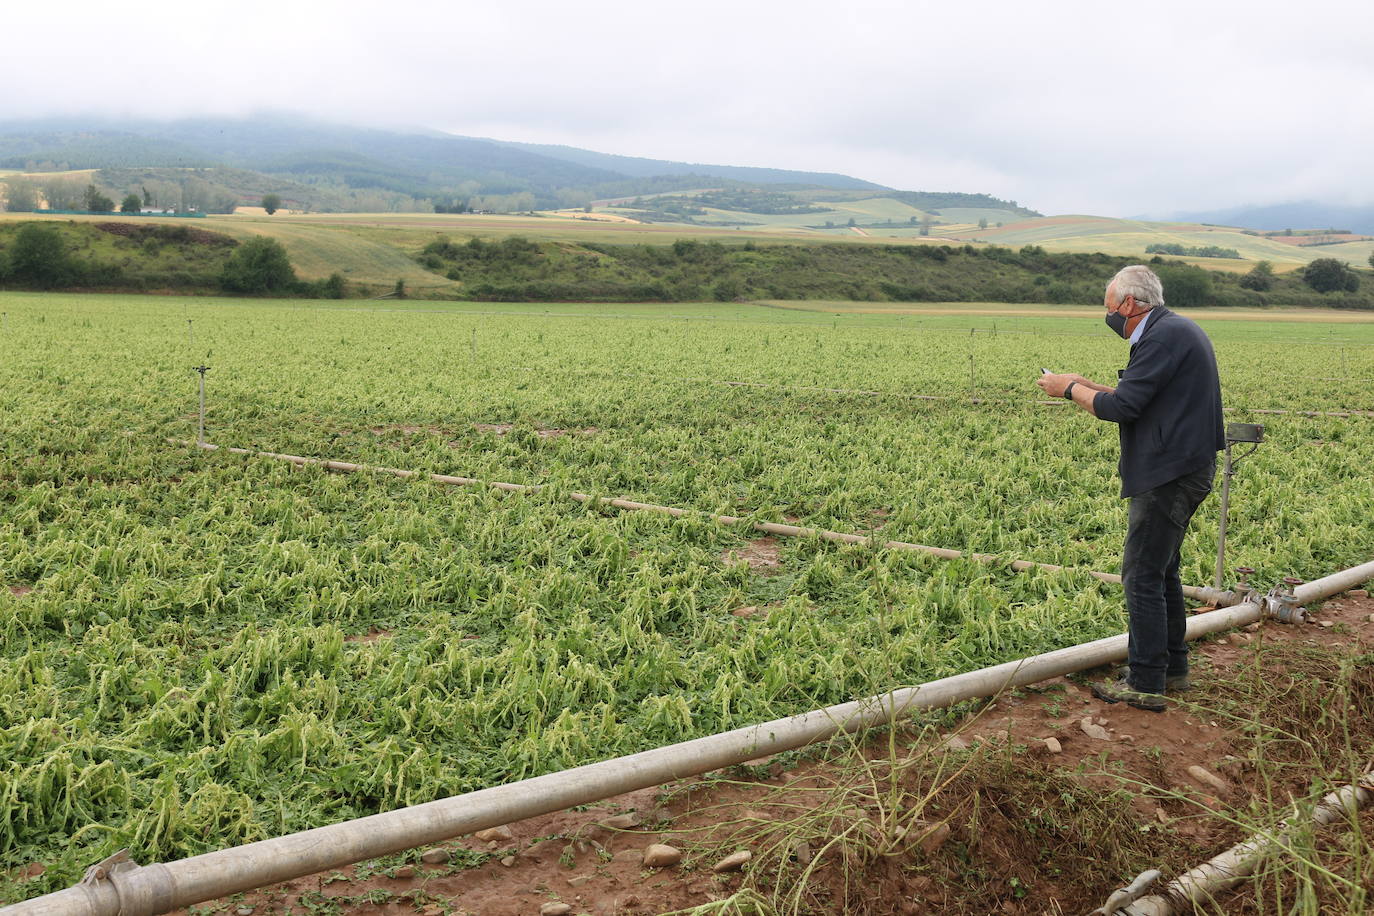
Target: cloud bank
{"type": "Point", "coordinates": [1064, 106]}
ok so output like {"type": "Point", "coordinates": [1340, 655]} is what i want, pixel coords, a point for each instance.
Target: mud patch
{"type": "Point", "coordinates": [19, 591]}
{"type": "Point", "coordinates": [762, 555]}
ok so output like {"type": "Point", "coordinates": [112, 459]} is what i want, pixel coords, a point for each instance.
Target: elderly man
{"type": "Point", "coordinates": [1167, 407]}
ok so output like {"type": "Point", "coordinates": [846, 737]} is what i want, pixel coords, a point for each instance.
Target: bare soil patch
{"type": "Point", "coordinates": [762, 554]}
{"type": "Point", "coordinates": [372, 635]}
{"type": "Point", "coordinates": [406, 430]}
{"type": "Point", "coordinates": [20, 591]}
{"type": "Point", "coordinates": [1014, 822]}
{"type": "Point", "coordinates": [502, 429]}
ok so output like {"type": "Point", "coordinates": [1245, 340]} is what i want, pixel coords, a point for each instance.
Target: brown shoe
{"type": "Point", "coordinates": [1119, 691]}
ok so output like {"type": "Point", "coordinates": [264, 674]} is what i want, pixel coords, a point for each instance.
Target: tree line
{"type": "Point", "coordinates": [135, 257]}
{"type": "Point", "coordinates": [517, 269]}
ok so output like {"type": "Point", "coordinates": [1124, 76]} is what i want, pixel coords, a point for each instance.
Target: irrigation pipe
{"type": "Point", "coordinates": [1205, 594]}
{"type": "Point", "coordinates": [1202, 884]}
{"type": "Point", "coordinates": [121, 888]}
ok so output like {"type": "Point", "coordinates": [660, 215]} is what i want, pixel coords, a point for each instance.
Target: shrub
{"type": "Point", "coordinates": [39, 258]}
{"type": "Point", "coordinates": [259, 265]}
{"type": "Point", "coordinates": [1328, 275]}
{"type": "Point", "coordinates": [1186, 287]}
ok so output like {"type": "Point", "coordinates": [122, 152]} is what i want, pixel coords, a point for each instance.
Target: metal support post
{"type": "Point", "coordinates": [200, 434]}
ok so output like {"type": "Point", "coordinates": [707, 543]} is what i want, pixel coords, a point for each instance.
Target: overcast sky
{"type": "Point", "coordinates": [1068, 107]}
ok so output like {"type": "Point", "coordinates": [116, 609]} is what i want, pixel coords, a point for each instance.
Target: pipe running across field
{"type": "Point", "coordinates": [124, 889]}
{"type": "Point", "coordinates": [1216, 597]}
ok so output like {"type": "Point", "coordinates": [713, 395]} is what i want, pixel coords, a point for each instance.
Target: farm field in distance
{"type": "Point", "coordinates": [199, 650]}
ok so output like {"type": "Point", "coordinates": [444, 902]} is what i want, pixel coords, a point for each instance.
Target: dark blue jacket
{"type": "Point", "coordinates": [1167, 404]}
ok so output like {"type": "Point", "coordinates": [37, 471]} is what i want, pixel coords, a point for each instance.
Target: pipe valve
{"type": "Point", "coordinates": [1282, 603]}
{"type": "Point", "coordinates": [1244, 591]}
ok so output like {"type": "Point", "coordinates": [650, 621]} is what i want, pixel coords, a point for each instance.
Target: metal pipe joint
{"type": "Point", "coordinates": [1282, 602]}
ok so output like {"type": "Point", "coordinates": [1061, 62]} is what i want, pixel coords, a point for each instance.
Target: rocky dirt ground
{"type": "Point", "coordinates": [990, 810]}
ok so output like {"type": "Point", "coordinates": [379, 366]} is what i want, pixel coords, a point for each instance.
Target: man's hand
{"type": "Point", "coordinates": [1055, 383]}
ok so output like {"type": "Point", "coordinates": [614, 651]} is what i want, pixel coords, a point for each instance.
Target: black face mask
{"type": "Point", "coordinates": [1117, 322]}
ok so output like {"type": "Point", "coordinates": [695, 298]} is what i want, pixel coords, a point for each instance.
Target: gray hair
{"type": "Point", "coordinates": [1141, 282]}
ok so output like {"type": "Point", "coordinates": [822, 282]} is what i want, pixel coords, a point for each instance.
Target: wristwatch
{"type": "Point", "coordinates": [1068, 392]}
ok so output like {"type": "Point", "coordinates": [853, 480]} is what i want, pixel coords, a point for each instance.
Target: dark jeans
{"type": "Point", "coordinates": [1149, 573]}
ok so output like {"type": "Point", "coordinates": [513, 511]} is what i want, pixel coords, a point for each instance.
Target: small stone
{"type": "Point", "coordinates": [555, 909]}
{"type": "Point", "coordinates": [579, 880]}
{"type": "Point", "coordinates": [1237, 639]}
{"type": "Point", "coordinates": [1161, 816]}
{"type": "Point", "coordinates": [1326, 623]}
{"type": "Point", "coordinates": [1101, 721]}
{"type": "Point", "coordinates": [628, 856]}
{"type": "Point", "coordinates": [404, 871]}
{"type": "Point", "coordinates": [661, 855]}
{"type": "Point", "coordinates": [622, 821]}
{"type": "Point", "coordinates": [1358, 593]}
{"type": "Point", "coordinates": [933, 836]}
{"type": "Point", "coordinates": [1093, 730]}
{"type": "Point", "coordinates": [1128, 739]}
{"type": "Point", "coordinates": [1053, 746]}
{"type": "Point", "coordinates": [508, 862]}
{"type": "Point", "coordinates": [733, 862]}
{"type": "Point", "coordinates": [1252, 627]}
{"type": "Point", "coordinates": [1370, 618]}
{"type": "Point", "coordinates": [1208, 778]}
{"type": "Point", "coordinates": [500, 834]}
{"type": "Point", "coordinates": [957, 743]}
{"type": "Point", "coordinates": [802, 853]}
{"type": "Point", "coordinates": [244, 911]}
{"type": "Point", "coordinates": [436, 856]}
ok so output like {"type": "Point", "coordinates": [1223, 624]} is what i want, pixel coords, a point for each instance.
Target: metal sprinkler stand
{"type": "Point", "coordinates": [1235, 432]}
{"type": "Point", "coordinates": [200, 433]}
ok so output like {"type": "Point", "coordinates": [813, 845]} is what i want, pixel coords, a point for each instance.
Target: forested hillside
{"type": "Point", "coordinates": [333, 167]}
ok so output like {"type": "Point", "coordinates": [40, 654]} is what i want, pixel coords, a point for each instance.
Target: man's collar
{"type": "Point", "coordinates": [1140, 328]}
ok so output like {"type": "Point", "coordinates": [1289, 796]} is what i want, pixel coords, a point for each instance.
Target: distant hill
{"type": "Point", "coordinates": [425, 166]}
{"type": "Point", "coordinates": [1303, 215]}
{"type": "Point", "coordinates": [644, 168]}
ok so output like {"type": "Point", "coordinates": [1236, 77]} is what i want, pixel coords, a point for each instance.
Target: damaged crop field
{"type": "Point", "coordinates": [199, 650]}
